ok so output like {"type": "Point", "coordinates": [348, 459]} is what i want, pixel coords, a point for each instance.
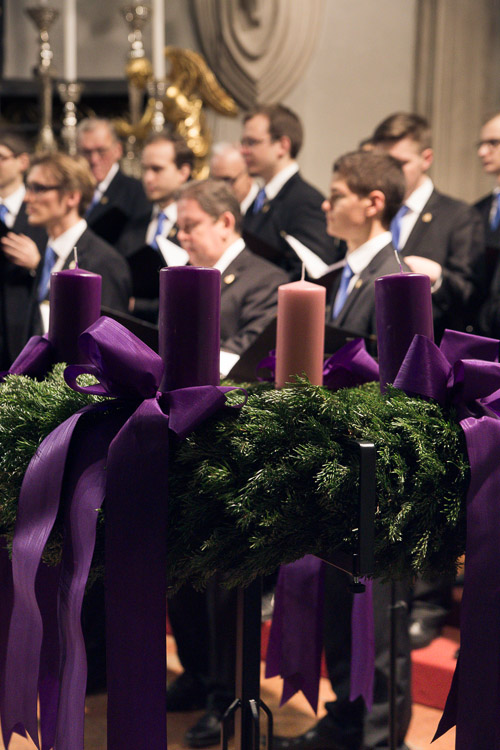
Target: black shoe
{"type": "Point", "coordinates": [187, 693]}
{"type": "Point", "coordinates": [325, 735]}
{"type": "Point", "coordinates": [207, 730]}
{"type": "Point", "coordinates": [422, 633]}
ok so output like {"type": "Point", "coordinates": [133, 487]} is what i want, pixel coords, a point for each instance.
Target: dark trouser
{"type": "Point", "coordinates": [337, 640]}
{"type": "Point", "coordinates": [204, 627]}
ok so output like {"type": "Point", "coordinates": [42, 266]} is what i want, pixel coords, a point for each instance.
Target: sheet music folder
{"type": "Point", "coordinates": [245, 369]}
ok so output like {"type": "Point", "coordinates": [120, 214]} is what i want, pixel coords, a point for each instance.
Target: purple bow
{"type": "Point", "coordinates": [294, 652]}
{"type": "Point", "coordinates": [35, 360]}
{"type": "Point", "coordinates": [458, 374]}
{"type": "Point", "coordinates": [116, 450]}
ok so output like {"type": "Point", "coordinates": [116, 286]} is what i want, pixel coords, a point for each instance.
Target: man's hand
{"type": "Point", "coordinates": [21, 250]}
{"type": "Point", "coordinates": [417, 264]}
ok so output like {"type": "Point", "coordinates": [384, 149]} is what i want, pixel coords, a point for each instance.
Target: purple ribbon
{"type": "Point", "coordinates": [294, 652]}
{"type": "Point", "coordinates": [35, 360]}
{"type": "Point", "coordinates": [118, 450]}
{"type": "Point", "coordinates": [457, 374]}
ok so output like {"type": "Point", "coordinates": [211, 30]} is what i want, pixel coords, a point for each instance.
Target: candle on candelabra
{"type": "Point", "coordinates": [189, 326]}
{"type": "Point", "coordinates": [300, 334]}
{"type": "Point", "coordinates": [75, 303]}
{"type": "Point", "coordinates": [403, 308]}
{"type": "Point", "coordinates": [158, 29]}
{"type": "Point", "coordinates": [70, 40]}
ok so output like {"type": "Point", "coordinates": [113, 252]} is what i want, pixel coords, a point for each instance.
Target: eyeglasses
{"type": "Point", "coordinates": [87, 152]}
{"type": "Point", "coordinates": [231, 180]}
{"type": "Point", "coordinates": [37, 187]}
{"type": "Point", "coordinates": [490, 143]}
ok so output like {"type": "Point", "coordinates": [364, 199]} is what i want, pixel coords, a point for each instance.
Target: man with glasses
{"type": "Point", "coordinates": [488, 150]}
{"type": "Point", "coordinates": [149, 241]}
{"type": "Point", "coordinates": [117, 197]}
{"type": "Point", "coordinates": [436, 234]}
{"type": "Point", "coordinates": [17, 268]}
{"type": "Point", "coordinates": [228, 164]}
{"type": "Point", "coordinates": [286, 218]}
{"type": "Point", "coordinates": [59, 189]}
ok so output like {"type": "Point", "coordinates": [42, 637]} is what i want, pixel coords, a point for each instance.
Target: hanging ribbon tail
{"type": "Point", "coordinates": [37, 511]}
{"type": "Point", "coordinates": [363, 646]}
{"type": "Point", "coordinates": [455, 376]}
{"type": "Point", "coordinates": [299, 596]}
{"type": "Point", "coordinates": [47, 585]}
{"type": "Point", "coordinates": [35, 360]}
{"type": "Point", "coordinates": [351, 365]}
{"type": "Point", "coordinates": [6, 601]}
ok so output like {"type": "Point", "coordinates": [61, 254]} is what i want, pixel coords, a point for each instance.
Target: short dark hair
{"type": "Point", "coordinates": [364, 171]}
{"type": "Point", "coordinates": [14, 141]}
{"type": "Point", "coordinates": [403, 125]}
{"type": "Point", "coordinates": [183, 154]}
{"type": "Point", "coordinates": [282, 121]}
{"type": "Point", "coordinates": [214, 197]}
{"type": "Point", "coordinates": [71, 173]}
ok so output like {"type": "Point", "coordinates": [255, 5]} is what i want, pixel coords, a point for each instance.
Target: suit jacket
{"type": "Point", "coordinates": [123, 200]}
{"type": "Point", "coordinates": [358, 313]}
{"type": "Point", "coordinates": [18, 318]}
{"type": "Point", "coordinates": [295, 210]}
{"type": "Point", "coordinates": [145, 263]}
{"type": "Point", "coordinates": [451, 233]}
{"type": "Point", "coordinates": [249, 298]}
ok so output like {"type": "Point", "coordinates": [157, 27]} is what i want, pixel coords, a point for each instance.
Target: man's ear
{"type": "Point", "coordinates": [185, 172]}
{"type": "Point", "coordinates": [427, 158]}
{"type": "Point", "coordinates": [73, 198]}
{"type": "Point", "coordinates": [285, 144]}
{"type": "Point", "coordinates": [376, 204]}
{"type": "Point", "coordinates": [227, 220]}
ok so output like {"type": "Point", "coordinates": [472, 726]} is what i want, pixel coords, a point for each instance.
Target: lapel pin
{"type": "Point", "coordinates": [172, 232]}
{"type": "Point", "coordinates": [229, 278]}
{"type": "Point", "coordinates": [104, 200]}
{"type": "Point", "coordinates": [265, 208]}
{"type": "Point", "coordinates": [358, 284]}
{"type": "Point", "coordinates": [426, 218]}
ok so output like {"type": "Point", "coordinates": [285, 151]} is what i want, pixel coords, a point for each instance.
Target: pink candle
{"type": "Point", "coordinates": [75, 303]}
{"type": "Point", "coordinates": [300, 335]}
{"type": "Point", "coordinates": [403, 308]}
{"type": "Point", "coordinates": [189, 326]}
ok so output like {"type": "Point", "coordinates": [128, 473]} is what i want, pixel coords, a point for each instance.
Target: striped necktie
{"type": "Point", "coordinates": [495, 219]}
{"type": "Point", "coordinates": [48, 263]}
{"type": "Point", "coordinates": [259, 201]}
{"type": "Point", "coordinates": [341, 297]}
{"type": "Point", "coordinates": [396, 225]}
{"type": "Point", "coordinates": [4, 212]}
{"type": "Point", "coordinates": [159, 227]}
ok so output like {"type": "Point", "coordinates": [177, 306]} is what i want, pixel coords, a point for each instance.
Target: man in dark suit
{"type": "Point", "coordinates": [117, 197]}
{"type": "Point", "coordinates": [287, 206]}
{"type": "Point", "coordinates": [489, 209]}
{"type": "Point", "coordinates": [17, 271]}
{"type": "Point", "coordinates": [58, 190]}
{"type": "Point", "coordinates": [366, 192]}
{"type": "Point", "coordinates": [209, 221]}
{"type": "Point", "coordinates": [149, 241]}
{"type": "Point", "coordinates": [437, 235]}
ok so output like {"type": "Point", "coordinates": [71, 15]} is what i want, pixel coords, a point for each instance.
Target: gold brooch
{"type": "Point", "coordinates": [426, 218]}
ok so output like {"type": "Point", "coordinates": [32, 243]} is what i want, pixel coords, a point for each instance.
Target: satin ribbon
{"type": "Point", "coordinates": [118, 450]}
{"type": "Point", "coordinates": [299, 592]}
{"type": "Point", "coordinates": [35, 360]}
{"type": "Point", "coordinates": [457, 374]}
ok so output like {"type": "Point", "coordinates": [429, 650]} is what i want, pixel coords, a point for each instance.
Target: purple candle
{"type": "Point", "coordinates": [189, 323]}
{"type": "Point", "coordinates": [75, 303]}
{"type": "Point", "coordinates": [403, 308]}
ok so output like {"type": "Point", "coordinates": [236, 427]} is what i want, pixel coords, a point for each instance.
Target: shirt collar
{"type": "Point", "coordinates": [229, 254]}
{"type": "Point", "coordinates": [65, 242]}
{"type": "Point", "coordinates": [417, 200]}
{"type": "Point", "coordinates": [249, 198]}
{"type": "Point", "coordinates": [104, 184]}
{"type": "Point", "coordinates": [276, 183]}
{"type": "Point", "coordinates": [360, 258]}
{"type": "Point", "coordinates": [14, 200]}
{"type": "Point", "coordinates": [170, 212]}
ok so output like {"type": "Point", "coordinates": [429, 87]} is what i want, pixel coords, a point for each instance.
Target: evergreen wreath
{"type": "Point", "coordinates": [264, 485]}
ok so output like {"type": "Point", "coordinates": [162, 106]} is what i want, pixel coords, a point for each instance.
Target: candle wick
{"type": "Point", "coordinates": [75, 252]}
{"type": "Point", "coordinates": [398, 259]}
{"type": "Point", "coordinates": [303, 274]}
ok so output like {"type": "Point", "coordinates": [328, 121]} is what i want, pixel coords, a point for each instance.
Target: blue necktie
{"type": "Point", "coordinates": [495, 221]}
{"type": "Point", "coordinates": [259, 201]}
{"type": "Point", "coordinates": [396, 225]}
{"type": "Point", "coordinates": [4, 212]}
{"type": "Point", "coordinates": [48, 263]}
{"type": "Point", "coordinates": [95, 200]}
{"type": "Point", "coordinates": [341, 297]}
{"type": "Point", "coordinates": [159, 227]}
